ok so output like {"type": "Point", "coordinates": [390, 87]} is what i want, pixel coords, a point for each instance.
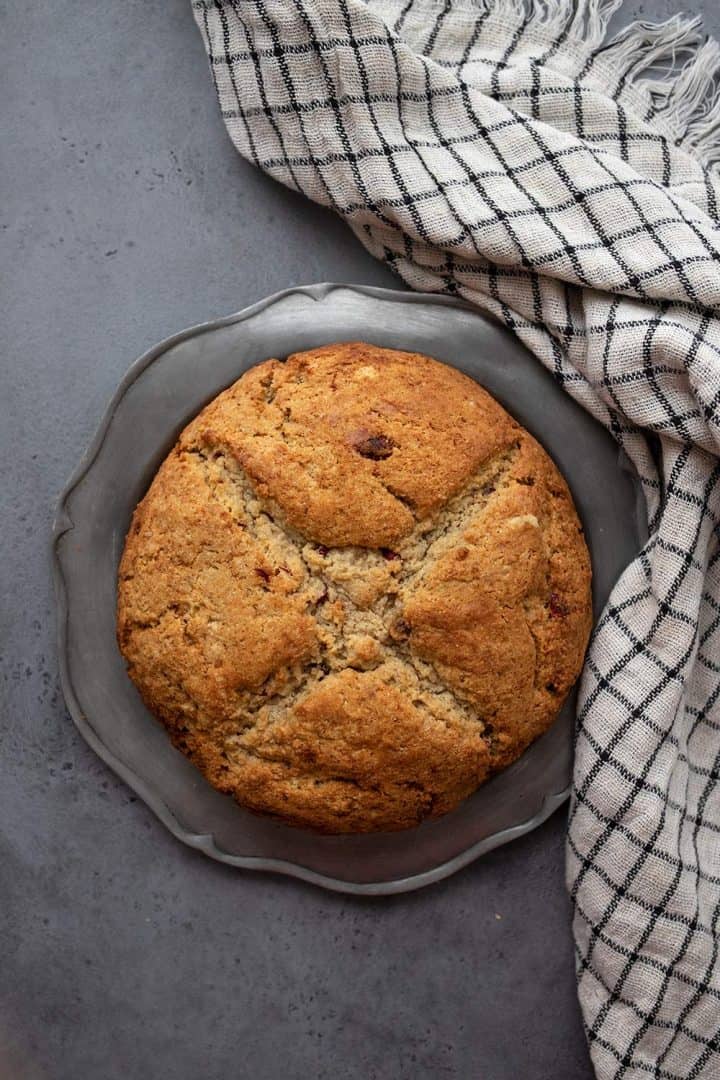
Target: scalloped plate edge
{"type": "Point", "coordinates": [205, 843]}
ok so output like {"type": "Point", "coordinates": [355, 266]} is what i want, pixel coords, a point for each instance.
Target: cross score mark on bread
{"type": "Point", "coordinates": [355, 589]}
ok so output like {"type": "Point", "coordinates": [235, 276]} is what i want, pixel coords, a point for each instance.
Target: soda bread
{"type": "Point", "coordinates": [355, 589]}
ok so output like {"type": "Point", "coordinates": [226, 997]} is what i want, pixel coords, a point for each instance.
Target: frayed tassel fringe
{"type": "Point", "coordinates": [677, 66]}
{"type": "Point", "coordinates": [673, 63]}
{"type": "Point", "coordinates": [583, 21]}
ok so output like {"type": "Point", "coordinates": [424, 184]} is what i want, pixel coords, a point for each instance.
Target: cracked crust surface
{"type": "Point", "coordinates": [354, 590]}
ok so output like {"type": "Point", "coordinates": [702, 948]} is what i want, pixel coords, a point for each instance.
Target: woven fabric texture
{"type": "Point", "coordinates": [510, 154]}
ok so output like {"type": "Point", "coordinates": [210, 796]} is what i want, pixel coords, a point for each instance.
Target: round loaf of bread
{"type": "Point", "coordinates": [355, 589]}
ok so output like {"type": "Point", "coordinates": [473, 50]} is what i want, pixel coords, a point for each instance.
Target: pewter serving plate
{"type": "Point", "coordinates": [157, 397]}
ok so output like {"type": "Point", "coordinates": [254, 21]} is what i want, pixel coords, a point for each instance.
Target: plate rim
{"type": "Point", "coordinates": [63, 523]}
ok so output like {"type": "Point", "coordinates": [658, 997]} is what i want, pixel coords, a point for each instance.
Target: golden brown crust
{"type": "Point", "coordinates": [355, 588]}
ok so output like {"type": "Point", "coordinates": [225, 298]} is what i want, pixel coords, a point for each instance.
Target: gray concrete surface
{"type": "Point", "coordinates": [127, 215]}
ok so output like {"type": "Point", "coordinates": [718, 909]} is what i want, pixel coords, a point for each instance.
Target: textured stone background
{"type": "Point", "coordinates": [126, 215]}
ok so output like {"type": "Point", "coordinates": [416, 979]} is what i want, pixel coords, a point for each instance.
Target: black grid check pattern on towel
{"type": "Point", "coordinates": [505, 154]}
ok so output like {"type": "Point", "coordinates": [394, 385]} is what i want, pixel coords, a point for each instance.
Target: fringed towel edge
{"type": "Point", "coordinates": [669, 71]}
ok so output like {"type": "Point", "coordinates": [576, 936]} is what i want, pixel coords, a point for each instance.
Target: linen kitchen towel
{"type": "Point", "coordinates": [510, 153]}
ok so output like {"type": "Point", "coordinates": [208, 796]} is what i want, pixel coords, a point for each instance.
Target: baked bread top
{"type": "Point", "coordinates": [355, 588]}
